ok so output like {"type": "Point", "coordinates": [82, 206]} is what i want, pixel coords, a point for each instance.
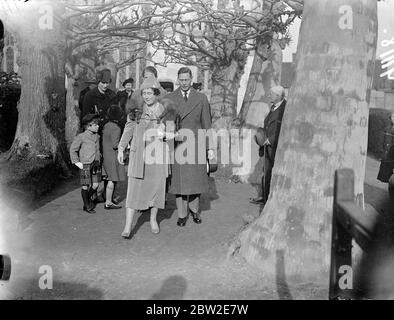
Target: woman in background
{"type": "Point", "coordinates": [113, 171]}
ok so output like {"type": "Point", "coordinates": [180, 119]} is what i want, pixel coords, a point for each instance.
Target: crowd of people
{"type": "Point", "coordinates": [115, 125]}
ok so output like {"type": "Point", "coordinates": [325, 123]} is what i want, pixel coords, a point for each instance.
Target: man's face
{"type": "Point", "coordinates": [275, 97]}
{"type": "Point", "coordinates": [103, 86]}
{"type": "Point", "coordinates": [128, 87]}
{"type": "Point", "coordinates": [185, 81]}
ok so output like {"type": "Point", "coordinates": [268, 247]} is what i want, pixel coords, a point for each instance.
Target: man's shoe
{"type": "Point", "coordinates": [111, 206]}
{"type": "Point", "coordinates": [181, 222]}
{"type": "Point", "coordinates": [196, 217]}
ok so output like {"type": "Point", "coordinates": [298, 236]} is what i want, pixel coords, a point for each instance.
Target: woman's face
{"type": "Point", "coordinates": [148, 74]}
{"type": "Point", "coordinates": [149, 96]}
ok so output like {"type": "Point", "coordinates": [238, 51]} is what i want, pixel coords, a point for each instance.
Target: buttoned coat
{"type": "Point", "coordinates": [195, 114]}
{"type": "Point", "coordinates": [134, 133]}
{"type": "Point", "coordinates": [272, 125]}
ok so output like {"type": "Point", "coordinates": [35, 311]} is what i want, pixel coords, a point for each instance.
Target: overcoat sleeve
{"type": "Point", "coordinates": [206, 122]}
{"type": "Point", "coordinates": [127, 135]}
{"type": "Point", "coordinates": [87, 106]}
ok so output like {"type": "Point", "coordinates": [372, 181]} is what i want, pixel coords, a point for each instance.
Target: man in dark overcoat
{"type": "Point", "coordinates": [189, 180]}
{"type": "Point", "coordinates": [268, 136]}
{"type": "Point", "coordinates": [98, 100]}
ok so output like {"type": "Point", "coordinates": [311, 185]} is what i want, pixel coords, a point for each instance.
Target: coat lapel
{"type": "Point", "coordinates": [187, 107]}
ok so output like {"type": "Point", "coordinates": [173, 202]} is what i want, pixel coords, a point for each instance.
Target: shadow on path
{"type": "Point", "coordinates": [281, 282]}
{"type": "Point", "coordinates": [173, 288]}
{"type": "Point", "coordinates": [60, 291]}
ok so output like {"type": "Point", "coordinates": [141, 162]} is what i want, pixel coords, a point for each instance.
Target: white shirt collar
{"type": "Point", "coordinates": [277, 105]}
{"type": "Point", "coordinates": [187, 92]}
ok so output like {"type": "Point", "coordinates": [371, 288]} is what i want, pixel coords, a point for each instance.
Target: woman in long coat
{"type": "Point", "coordinates": [147, 178]}
{"type": "Point", "coordinates": [113, 171]}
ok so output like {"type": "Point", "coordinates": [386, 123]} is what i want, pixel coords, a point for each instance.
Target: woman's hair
{"type": "Point", "coordinates": [151, 70]}
{"type": "Point", "coordinates": [156, 91]}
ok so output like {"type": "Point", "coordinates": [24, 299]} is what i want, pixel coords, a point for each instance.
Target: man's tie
{"type": "Point", "coordinates": [272, 108]}
{"type": "Point", "coordinates": [185, 96]}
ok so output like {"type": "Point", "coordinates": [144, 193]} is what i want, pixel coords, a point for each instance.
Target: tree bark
{"type": "Point", "coordinates": [324, 128]}
{"type": "Point", "coordinates": [265, 73]}
{"type": "Point", "coordinates": [225, 84]}
{"type": "Point", "coordinates": [41, 123]}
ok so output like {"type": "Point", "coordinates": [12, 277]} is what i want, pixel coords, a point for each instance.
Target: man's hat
{"type": "Point", "coordinates": [88, 118]}
{"type": "Point", "coordinates": [129, 80]}
{"type": "Point", "coordinates": [103, 76]}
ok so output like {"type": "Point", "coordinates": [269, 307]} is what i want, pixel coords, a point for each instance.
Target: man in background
{"type": "Point", "coordinates": [267, 138]}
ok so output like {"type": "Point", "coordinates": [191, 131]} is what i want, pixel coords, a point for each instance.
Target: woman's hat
{"type": "Point", "coordinates": [150, 83]}
{"type": "Point", "coordinates": [129, 80]}
{"type": "Point", "coordinates": [260, 137]}
{"type": "Point", "coordinates": [114, 113]}
{"type": "Point", "coordinates": [103, 76]}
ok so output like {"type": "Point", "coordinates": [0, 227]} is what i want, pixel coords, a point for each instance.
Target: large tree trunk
{"type": "Point", "coordinates": [324, 128]}
{"type": "Point", "coordinates": [265, 73]}
{"type": "Point", "coordinates": [41, 123]}
{"type": "Point", "coordinates": [225, 84]}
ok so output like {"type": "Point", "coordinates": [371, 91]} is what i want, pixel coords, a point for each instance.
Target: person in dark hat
{"type": "Point", "coordinates": [85, 154]}
{"type": "Point", "coordinates": [91, 84]}
{"type": "Point", "coordinates": [124, 96]}
{"type": "Point", "coordinates": [113, 171]}
{"type": "Point", "coordinates": [99, 99]}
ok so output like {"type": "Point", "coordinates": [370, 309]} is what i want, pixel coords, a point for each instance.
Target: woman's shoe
{"type": "Point", "coordinates": [111, 206]}
{"type": "Point", "coordinates": [181, 222]}
{"type": "Point", "coordinates": [196, 217]}
{"type": "Point", "coordinates": [155, 229]}
{"type": "Point", "coordinates": [126, 235]}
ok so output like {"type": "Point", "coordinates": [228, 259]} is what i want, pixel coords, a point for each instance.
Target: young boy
{"type": "Point", "coordinates": [85, 154]}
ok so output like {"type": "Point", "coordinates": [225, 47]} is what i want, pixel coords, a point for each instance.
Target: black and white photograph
{"type": "Point", "coordinates": [196, 150]}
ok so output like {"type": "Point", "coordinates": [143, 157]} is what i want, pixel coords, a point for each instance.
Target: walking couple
{"type": "Point", "coordinates": [147, 181]}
